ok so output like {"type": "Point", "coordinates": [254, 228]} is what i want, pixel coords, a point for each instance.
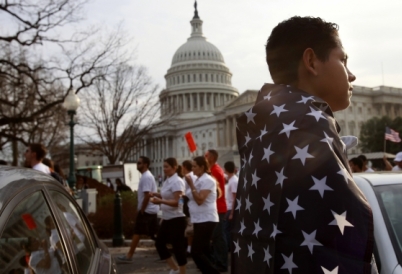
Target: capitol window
{"type": "Point", "coordinates": [188, 78]}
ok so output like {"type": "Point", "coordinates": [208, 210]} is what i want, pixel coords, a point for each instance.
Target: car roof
{"type": "Point", "coordinates": [13, 179]}
{"type": "Point", "coordinates": [381, 178]}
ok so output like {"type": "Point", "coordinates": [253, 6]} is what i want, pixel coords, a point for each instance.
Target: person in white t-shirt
{"type": "Point", "coordinates": [34, 155]}
{"type": "Point", "coordinates": [173, 219]}
{"type": "Point", "coordinates": [231, 190]}
{"type": "Point", "coordinates": [202, 196]}
{"type": "Point", "coordinates": [146, 222]}
{"type": "Point", "coordinates": [398, 162]}
{"type": "Point", "coordinates": [366, 168]}
{"type": "Point", "coordinates": [187, 167]}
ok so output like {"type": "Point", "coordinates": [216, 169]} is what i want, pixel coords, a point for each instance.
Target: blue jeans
{"type": "Point", "coordinates": [219, 244]}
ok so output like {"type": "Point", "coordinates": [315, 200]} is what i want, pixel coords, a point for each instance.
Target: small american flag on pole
{"type": "Point", "coordinates": [392, 135]}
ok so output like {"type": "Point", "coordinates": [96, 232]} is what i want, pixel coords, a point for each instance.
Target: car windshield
{"type": "Point", "coordinates": [390, 200]}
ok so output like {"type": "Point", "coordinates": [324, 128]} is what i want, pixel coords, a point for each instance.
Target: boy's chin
{"type": "Point", "coordinates": [341, 106]}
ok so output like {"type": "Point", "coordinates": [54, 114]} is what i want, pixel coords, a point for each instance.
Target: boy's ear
{"type": "Point", "coordinates": [309, 61]}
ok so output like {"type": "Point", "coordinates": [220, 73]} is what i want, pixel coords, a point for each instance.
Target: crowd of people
{"type": "Point", "coordinates": [197, 199]}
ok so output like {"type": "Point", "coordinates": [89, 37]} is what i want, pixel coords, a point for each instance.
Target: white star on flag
{"type": "Point", "coordinates": [310, 241]}
{"type": "Point", "coordinates": [263, 132]}
{"type": "Point", "coordinates": [267, 204]}
{"type": "Point", "coordinates": [237, 248]}
{"type": "Point", "coordinates": [275, 232]}
{"type": "Point", "coordinates": [247, 139]}
{"type": "Point", "coordinates": [288, 128]}
{"type": "Point", "coordinates": [243, 227]}
{"type": "Point", "coordinates": [301, 153]}
{"type": "Point", "coordinates": [305, 99]}
{"type": "Point", "coordinates": [244, 160]}
{"type": "Point", "coordinates": [268, 96]}
{"type": "Point", "coordinates": [238, 204]}
{"type": "Point", "coordinates": [323, 107]}
{"type": "Point", "coordinates": [255, 179]}
{"type": "Point", "coordinates": [251, 157]}
{"type": "Point", "coordinates": [326, 271]}
{"type": "Point", "coordinates": [289, 264]}
{"type": "Point", "coordinates": [328, 140]}
{"type": "Point", "coordinates": [340, 221]}
{"type": "Point", "coordinates": [344, 173]}
{"type": "Point", "coordinates": [250, 115]}
{"type": "Point", "coordinates": [317, 114]}
{"type": "Point", "coordinates": [281, 177]}
{"type": "Point", "coordinates": [267, 152]}
{"type": "Point", "coordinates": [293, 206]}
{"type": "Point", "coordinates": [267, 256]}
{"type": "Point", "coordinates": [250, 251]}
{"type": "Point", "coordinates": [245, 182]}
{"type": "Point", "coordinates": [320, 185]}
{"type": "Point", "coordinates": [257, 228]}
{"type": "Point", "coordinates": [248, 204]}
{"type": "Point", "coordinates": [278, 110]}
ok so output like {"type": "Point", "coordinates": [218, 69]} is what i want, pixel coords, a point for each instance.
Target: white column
{"type": "Point", "coordinates": [198, 101]}
{"type": "Point", "coordinates": [217, 134]}
{"type": "Point", "coordinates": [234, 123]}
{"type": "Point", "coordinates": [205, 101]}
{"type": "Point", "coordinates": [191, 101]}
{"type": "Point", "coordinates": [167, 154]}
{"type": "Point", "coordinates": [227, 132]}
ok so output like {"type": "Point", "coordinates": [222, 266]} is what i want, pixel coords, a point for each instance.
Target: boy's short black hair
{"type": "Point", "coordinates": [39, 149]}
{"type": "Point", "coordinates": [362, 157]}
{"type": "Point", "coordinates": [229, 167]}
{"type": "Point", "coordinates": [357, 162]}
{"type": "Point", "coordinates": [290, 38]}
{"type": "Point", "coordinates": [146, 160]}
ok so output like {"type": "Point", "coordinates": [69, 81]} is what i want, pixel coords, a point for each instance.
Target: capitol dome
{"type": "Point", "coordinates": [198, 81]}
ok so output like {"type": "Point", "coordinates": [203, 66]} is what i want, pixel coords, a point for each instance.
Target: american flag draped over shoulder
{"type": "Point", "coordinates": [392, 135]}
{"type": "Point", "coordinates": [298, 209]}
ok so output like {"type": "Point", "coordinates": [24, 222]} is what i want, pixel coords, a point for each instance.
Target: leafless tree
{"type": "Point", "coordinates": [120, 111]}
{"type": "Point", "coordinates": [41, 58]}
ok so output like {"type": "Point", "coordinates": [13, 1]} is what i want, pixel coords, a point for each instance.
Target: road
{"type": "Point", "coordinates": [146, 260]}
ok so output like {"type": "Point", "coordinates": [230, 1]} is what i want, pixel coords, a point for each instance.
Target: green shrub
{"type": "Point", "coordinates": [103, 219]}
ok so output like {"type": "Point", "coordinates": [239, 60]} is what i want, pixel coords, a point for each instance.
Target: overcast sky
{"type": "Point", "coordinates": [370, 31]}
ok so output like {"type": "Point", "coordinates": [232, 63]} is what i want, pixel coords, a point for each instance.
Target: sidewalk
{"type": "Point", "coordinates": [145, 259]}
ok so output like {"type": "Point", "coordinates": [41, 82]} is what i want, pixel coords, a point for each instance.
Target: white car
{"type": "Point", "coordinates": [384, 194]}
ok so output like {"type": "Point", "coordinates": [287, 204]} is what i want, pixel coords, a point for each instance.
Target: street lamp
{"type": "Point", "coordinates": [71, 103]}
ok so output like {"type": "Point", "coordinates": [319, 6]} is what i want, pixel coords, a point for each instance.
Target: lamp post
{"type": "Point", "coordinates": [71, 103]}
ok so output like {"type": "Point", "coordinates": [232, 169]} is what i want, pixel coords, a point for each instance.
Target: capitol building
{"type": "Point", "coordinates": [199, 98]}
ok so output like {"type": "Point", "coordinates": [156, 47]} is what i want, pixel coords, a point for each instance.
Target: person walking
{"type": "Point", "coordinates": [173, 219]}
{"type": "Point", "coordinates": [202, 195]}
{"type": "Point", "coordinates": [230, 194]}
{"type": "Point", "coordinates": [219, 244]}
{"type": "Point", "coordinates": [187, 167]}
{"type": "Point", "coordinates": [146, 221]}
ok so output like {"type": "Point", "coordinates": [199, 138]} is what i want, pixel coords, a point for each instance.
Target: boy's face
{"type": "Point", "coordinates": [334, 82]}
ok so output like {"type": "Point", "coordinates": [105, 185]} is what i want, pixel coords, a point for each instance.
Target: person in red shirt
{"type": "Point", "coordinates": [219, 244]}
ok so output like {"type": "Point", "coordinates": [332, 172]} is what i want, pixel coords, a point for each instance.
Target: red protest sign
{"type": "Point", "coordinates": [190, 142]}
{"type": "Point", "coordinates": [29, 221]}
